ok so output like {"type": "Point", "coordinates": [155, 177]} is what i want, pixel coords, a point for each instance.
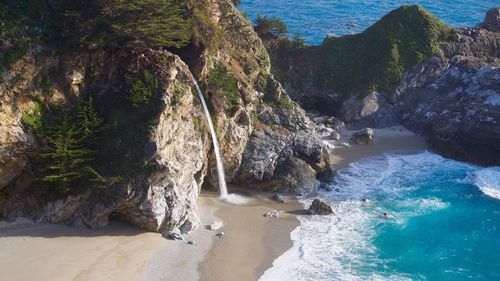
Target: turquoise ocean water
{"type": "Point", "coordinates": [315, 19]}
{"type": "Point", "coordinates": [443, 224]}
{"type": "Point", "coordinates": [444, 215]}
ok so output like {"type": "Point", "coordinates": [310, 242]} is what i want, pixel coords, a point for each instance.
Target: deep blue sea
{"type": "Point", "coordinates": [443, 224]}
{"type": "Point", "coordinates": [315, 19]}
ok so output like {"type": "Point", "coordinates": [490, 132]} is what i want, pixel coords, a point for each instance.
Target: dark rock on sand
{"type": "Point", "coordinates": [365, 136]}
{"type": "Point", "coordinates": [319, 207]}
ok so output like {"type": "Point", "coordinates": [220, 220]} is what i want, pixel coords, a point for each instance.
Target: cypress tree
{"type": "Point", "coordinates": [70, 148]}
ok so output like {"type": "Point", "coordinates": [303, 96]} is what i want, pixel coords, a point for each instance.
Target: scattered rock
{"type": "Point", "coordinates": [216, 225]}
{"type": "Point", "coordinates": [344, 144]}
{"type": "Point", "coordinates": [319, 207]}
{"type": "Point", "coordinates": [335, 136]}
{"type": "Point", "coordinates": [272, 214]}
{"type": "Point", "coordinates": [191, 242]}
{"type": "Point", "coordinates": [330, 146]}
{"type": "Point", "coordinates": [278, 198]}
{"type": "Point", "coordinates": [365, 136]}
{"type": "Point", "coordinates": [173, 235]}
{"type": "Point", "coordinates": [220, 235]}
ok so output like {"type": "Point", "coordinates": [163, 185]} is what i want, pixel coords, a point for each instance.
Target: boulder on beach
{"type": "Point", "coordinates": [319, 207]}
{"type": "Point", "coordinates": [365, 136]}
{"type": "Point", "coordinates": [272, 215]}
{"type": "Point", "coordinates": [216, 225]}
{"type": "Point", "coordinates": [173, 235]}
{"type": "Point", "coordinates": [278, 198]}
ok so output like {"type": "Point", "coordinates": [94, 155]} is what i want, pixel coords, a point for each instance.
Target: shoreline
{"type": "Point", "coordinates": [395, 139]}
{"type": "Point", "coordinates": [249, 247]}
{"type": "Point", "coordinates": [250, 239]}
{"type": "Point", "coordinates": [224, 261]}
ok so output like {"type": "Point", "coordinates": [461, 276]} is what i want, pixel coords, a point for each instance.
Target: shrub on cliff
{"type": "Point", "coordinates": [374, 60]}
{"type": "Point", "coordinates": [221, 82]}
{"type": "Point", "coordinates": [270, 27]}
{"type": "Point", "coordinates": [377, 58]}
{"type": "Point", "coordinates": [134, 24]}
{"type": "Point", "coordinates": [69, 147]}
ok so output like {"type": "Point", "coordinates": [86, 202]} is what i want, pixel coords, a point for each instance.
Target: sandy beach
{"type": "Point", "coordinates": [393, 139]}
{"type": "Point", "coordinates": [120, 252]}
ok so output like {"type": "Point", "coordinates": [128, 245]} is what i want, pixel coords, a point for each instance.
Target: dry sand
{"type": "Point", "coordinates": [120, 252]}
{"type": "Point", "coordinates": [55, 252]}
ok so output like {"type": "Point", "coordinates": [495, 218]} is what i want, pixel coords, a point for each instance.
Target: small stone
{"type": "Point", "coordinates": [191, 242]}
{"type": "Point", "coordinates": [216, 225]}
{"type": "Point", "coordinates": [278, 198]}
{"type": "Point", "coordinates": [172, 235]}
{"type": "Point", "coordinates": [319, 207]}
{"type": "Point", "coordinates": [220, 235]}
{"type": "Point", "coordinates": [272, 214]}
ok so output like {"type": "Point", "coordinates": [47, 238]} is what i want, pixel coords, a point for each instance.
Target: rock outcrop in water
{"type": "Point", "coordinates": [449, 93]}
{"type": "Point", "coordinates": [152, 177]}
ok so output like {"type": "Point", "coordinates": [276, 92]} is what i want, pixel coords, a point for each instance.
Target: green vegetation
{"type": "Point", "coordinates": [134, 25]}
{"type": "Point", "coordinates": [266, 26]}
{"type": "Point", "coordinates": [35, 118]}
{"type": "Point", "coordinates": [374, 60]}
{"type": "Point", "coordinates": [128, 123]}
{"type": "Point", "coordinates": [155, 24]}
{"type": "Point", "coordinates": [221, 82]}
{"type": "Point", "coordinates": [142, 86]}
{"type": "Point", "coordinates": [69, 145]}
{"type": "Point", "coordinates": [205, 31]}
{"type": "Point", "coordinates": [377, 58]}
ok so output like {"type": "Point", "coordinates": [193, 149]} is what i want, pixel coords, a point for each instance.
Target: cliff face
{"type": "Point", "coordinates": [450, 95]}
{"type": "Point", "coordinates": [454, 100]}
{"type": "Point", "coordinates": [154, 158]}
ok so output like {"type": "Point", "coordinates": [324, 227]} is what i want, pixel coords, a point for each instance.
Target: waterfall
{"type": "Point", "coordinates": [220, 166]}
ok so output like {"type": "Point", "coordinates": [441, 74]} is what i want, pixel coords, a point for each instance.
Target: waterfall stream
{"type": "Point", "coordinates": [220, 166]}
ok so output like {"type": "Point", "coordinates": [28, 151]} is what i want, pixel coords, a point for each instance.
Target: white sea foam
{"type": "Point", "coordinates": [236, 199]}
{"type": "Point", "coordinates": [340, 247]}
{"type": "Point", "coordinates": [488, 181]}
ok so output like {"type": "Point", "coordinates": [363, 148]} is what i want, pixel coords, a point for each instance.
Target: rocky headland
{"type": "Point", "coordinates": [409, 68]}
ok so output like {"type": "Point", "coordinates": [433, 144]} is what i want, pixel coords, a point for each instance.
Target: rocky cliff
{"type": "Point", "coordinates": [153, 153]}
{"type": "Point", "coordinates": [447, 91]}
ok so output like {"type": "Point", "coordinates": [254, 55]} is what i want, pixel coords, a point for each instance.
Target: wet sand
{"type": "Point", "coordinates": [251, 242]}
{"type": "Point", "coordinates": [394, 139]}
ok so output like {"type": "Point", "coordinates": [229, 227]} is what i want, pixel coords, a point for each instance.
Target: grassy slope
{"type": "Point", "coordinates": [374, 59]}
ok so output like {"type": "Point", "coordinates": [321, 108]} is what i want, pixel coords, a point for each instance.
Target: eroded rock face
{"type": "Point", "coordinates": [273, 159]}
{"type": "Point", "coordinates": [159, 200]}
{"type": "Point", "coordinates": [492, 19]}
{"type": "Point", "coordinates": [178, 146]}
{"type": "Point", "coordinates": [365, 136]}
{"type": "Point", "coordinates": [452, 99]}
{"type": "Point", "coordinates": [455, 100]}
